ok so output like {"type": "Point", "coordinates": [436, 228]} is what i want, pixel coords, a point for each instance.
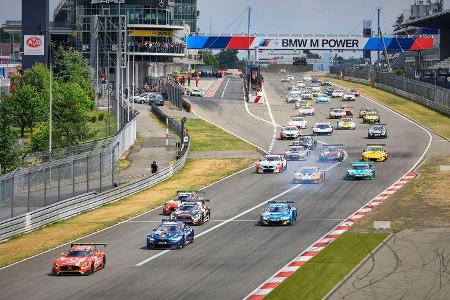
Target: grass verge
{"type": "Point", "coordinates": [429, 118]}
{"type": "Point", "coordinates": [195, 174]}
{"type": "Point", "coordinates": [423, 203]}
{"type": "Point", "coordinates": [206, 137]}
{"type": "Point", "coordinates": [316, 278]}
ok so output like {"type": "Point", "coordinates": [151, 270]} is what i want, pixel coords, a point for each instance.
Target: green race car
{"type": "Point", "coordinates": [360, 170]}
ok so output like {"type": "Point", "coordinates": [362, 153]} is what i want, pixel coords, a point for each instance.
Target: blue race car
{"type": "Point", "coordinates": [170, 234]}
{"type": "Point", "coordinates": [322, 99]}
{"type": "Point", "coordinates": [278, 213]}
{"type": "Point", "coordinates": [360, 170]}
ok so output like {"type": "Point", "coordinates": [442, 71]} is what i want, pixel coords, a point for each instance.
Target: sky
{"type": "Point", "coordinates": [282, 16]}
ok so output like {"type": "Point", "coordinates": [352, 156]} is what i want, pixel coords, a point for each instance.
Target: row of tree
{"type": "Point", "coordinates": [224, 59]}
{"type": "Point", "coordinates": [28, 108]}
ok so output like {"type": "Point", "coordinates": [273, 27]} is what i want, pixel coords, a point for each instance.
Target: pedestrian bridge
{"type": "Point", "coordinates": [308, 42]}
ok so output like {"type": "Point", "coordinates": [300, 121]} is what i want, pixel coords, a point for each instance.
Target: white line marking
{"type": "Point", "coordinates": [226, 85]}
{"type": "Point", "coordinates": [231, 219]}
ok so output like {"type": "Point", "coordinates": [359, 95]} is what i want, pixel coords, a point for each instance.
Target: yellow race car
{"type": "Point", "coordinates": [363, 111]}
{"type": "Point", "coordinates": [371, 117]}
{"type": "Point", "coordinates": [375, 152]}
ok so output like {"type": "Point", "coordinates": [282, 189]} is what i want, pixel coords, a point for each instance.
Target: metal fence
{"type": "Point", "coordinates": [28, 189]}
{"type": "Point", "coordinates": [65, 209]}
{"type": "Point", "coordinates": [432, 96]}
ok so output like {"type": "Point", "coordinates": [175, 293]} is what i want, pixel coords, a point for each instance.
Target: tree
{"type": "Point", "coordinates": [71, 66]}
{"type": "Point", "coordinates": [70, 116]}
{"type": "Point", "coordinates": [9, 150]}
{"type": "Point", "coordinates": [27, 107]}
{"type": "Point", "coordinates": [210, 59]}
{"type": "Point", "coordinates": [228, 59]}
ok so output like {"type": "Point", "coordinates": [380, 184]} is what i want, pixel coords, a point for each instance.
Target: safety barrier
{"type": "Point", "coordinates": [80, 204]}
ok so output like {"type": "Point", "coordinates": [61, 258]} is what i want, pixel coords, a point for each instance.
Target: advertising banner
{"type": "Point", "coordinates": [151, 33]}
{"type": "Point", "coordinates": [34, 45]}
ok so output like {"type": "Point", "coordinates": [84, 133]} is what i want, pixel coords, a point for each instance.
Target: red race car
{"type": "Point", "coordinates": [181, 197]}
{"type": "Point", "coordinates": [355, 92]}
{"type": "Point", "coordinates": [81, 258]}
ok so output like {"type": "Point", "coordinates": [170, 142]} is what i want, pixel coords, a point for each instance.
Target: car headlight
{"type": "Point", "coordinates": [150, 238]}
{"type": "Point", "coordinates": [57, 265]}
{"type": "Point", "coordinates": [175, 238]}
{"type": "Point", "coordinates": [83, 264]}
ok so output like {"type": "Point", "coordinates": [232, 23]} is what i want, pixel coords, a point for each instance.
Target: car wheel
{"type": "Point", "coordinates": [103, 262]}
{"type": "Point", "coordinates": [91, 270]}
{"type": "Point", "coordinates": [202, 221]}
{"type": "Point", "coordinates": [182, 243]}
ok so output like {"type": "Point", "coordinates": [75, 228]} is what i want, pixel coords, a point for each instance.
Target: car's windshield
{"type": "Point", "coordinates": [272, 158]}
{"type": "Point", "coordinates": [298, 119]}
{"type": "Point", "coordinates": [374, 148]}
{"type": "Point", "coordinates": [329, 149]}
{"type": "Point", "coordinates": [305, 139]}
{"type": "Point", "coordinates": [377, 128]}
{"type": "Point", "coordinates": [169, 228]}
{"type": "Point", "coordinates": [277, 208]}
{"type": "Point", "coordinates": [183, 197]}
{"type": "Point", "coordinates": [297, 148]}
{"type": "Point", "coordinates": [322, 126]}
{"type": "Point", "coordinates": [79, 253]}
{"type": "Point", "coordinates": [371, 113]}
{"type": "Point", "coordinates": [307, 171]}
{"type": "Point", "coordinates": [305, 107]}
{"type": "Point", "coordinates": [290, 128]}
{"type": "Point", "coordinates": [360, 167]}
{"type": "Point", "coordinates": [187, 207]}
{"type": "Point", "coordinates": [347, 120]}
{"type": "Point", "coordinates": [337, 110]}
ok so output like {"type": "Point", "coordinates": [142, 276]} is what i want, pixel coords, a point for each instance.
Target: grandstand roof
{"type": "Point", "coordinates": [439, 20]}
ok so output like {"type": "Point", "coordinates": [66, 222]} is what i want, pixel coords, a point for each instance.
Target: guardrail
{"type": "Point", "coordinates": [431, 96]}
{"type": "Point", "coordinates": [77, 205]}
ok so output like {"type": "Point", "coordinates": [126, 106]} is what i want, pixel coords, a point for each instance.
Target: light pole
{"type": "Point", "coordinates": [50, 117]}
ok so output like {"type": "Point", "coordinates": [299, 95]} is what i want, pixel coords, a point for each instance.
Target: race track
{"type": "Point", "coordinates": [231, 255]}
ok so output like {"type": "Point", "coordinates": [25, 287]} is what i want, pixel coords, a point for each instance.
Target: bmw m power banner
{"type": "Point", "coordinates": [309, 43]}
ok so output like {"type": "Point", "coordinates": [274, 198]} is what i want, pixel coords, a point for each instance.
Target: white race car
{"type": "Point", "coordinates": [346, 123]}
{"type": "Point", "coordinates": [337, 113]}
{"type": "Point", "coordinates": [307, 78]}
{"type": "Point", "coordinates": [275, 163]}
{"type": "Point", "coordinates": [290, 77]}
{"type": "Point", "coordinates": [301, 84]}
{"type": "Point", "coordinates": [298, 122]}
{"type": "Point", "coordinates": [293, 97]}
{"type": "Point", "coordinates": [337, 94]}
{"type": "Point", "coordinates": [306, 110]}
{"type": "Point", "coordinates": [297, 153]}
{"type": "Point", "coordinates": [349, 97]}
{"type": "Point", "coordinates": [316, 88]}
{"type": "Point", "coordinates": [301, 103]}
{"type": "Point", "coordinates": [307, 96]}
{"type": "Point", "coordinates": [289, 132]}
{"type": "Point", "coordinates": [322, 128]}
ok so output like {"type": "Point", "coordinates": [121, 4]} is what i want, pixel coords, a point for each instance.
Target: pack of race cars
{"type": "Point", "coordinates": [190, 208]}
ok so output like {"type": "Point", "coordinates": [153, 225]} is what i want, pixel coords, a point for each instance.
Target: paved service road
{"type": "Point", "coordinates": [231, 255]}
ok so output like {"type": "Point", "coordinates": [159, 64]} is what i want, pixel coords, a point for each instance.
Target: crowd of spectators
{"type": "Point", "coordinates": [155, 47]}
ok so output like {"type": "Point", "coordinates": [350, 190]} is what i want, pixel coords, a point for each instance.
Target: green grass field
{"type": "Point", "coordinates": [429, 118]}
{"type": "Point", "coordinates": [316, 278]}
{"type": "Point", "coordinates": [206, 137]}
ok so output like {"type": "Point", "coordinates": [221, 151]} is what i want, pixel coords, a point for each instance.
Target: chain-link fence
{"type": "Point", "coordinates": [432, 96]}
{"type": "Point", "coordinates": [30, 188]}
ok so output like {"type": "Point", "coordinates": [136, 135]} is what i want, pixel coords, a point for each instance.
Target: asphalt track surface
{"type": "Point", "coordinates": [231, 255]}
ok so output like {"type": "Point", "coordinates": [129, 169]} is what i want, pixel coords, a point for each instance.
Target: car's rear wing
{"type": "Point", "coordinates": [362, 162]}
{"type": "Point", "coordinates": [379, 124]}
{"type": "Point", "coordinates": [376, 145]}
{"type": "Point", "coordinates": [87, 244]}
{"type": "Point", "coordinates": [332, 145]}
{"type": "Point", "coordinates": [190, 191]}
{"type": "Point", "coordinates": [284, 202]}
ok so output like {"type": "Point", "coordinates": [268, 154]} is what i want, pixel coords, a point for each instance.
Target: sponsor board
{"type": "Point", "coordinates": [33, 45]}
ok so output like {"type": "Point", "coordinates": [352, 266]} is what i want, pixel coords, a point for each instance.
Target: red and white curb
{"type": "Point", "coordinates": [299, 261]}
{"type": "Point", "coordinates": [213, 89]}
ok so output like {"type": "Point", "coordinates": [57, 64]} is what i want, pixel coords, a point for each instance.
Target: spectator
{"type": "Point", "coordinates": [154, 167]}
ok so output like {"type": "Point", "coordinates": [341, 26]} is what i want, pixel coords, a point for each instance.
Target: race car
{"type": "Point", "coordinates": [306, 110]}
{"type": "Point", "coordinates": [323, 98]}
{"type": "Point", "coordinates": [322, 128]}
{"type": "Point", "coordinates": [337, 113]}
{"type": "Point", "coordinates": [307, 96]}
{"type": "Point", "coordinates": [316, 88]}
{"type": "Point", "coordinates": [197, 92]}
{"type": "Point", "coordinates": [349, 97]}
{"type": "Point", "coordinates": [273, 163]}
{"type": "Point", "coordinates": [182, 196]}
{"type": "Point", "coordinates": [301, 84]}
{"type": "Point", "coordinates": [307, 78]}
{"type": "Point", "coordinates": [293, 97]}
{"type": "Point", "coordinates": [192, 212]}
{"type": "Point", "coordinates": [291, 77]}
{"type": "Point", "coordinates": [289, 132]}
{"type": "Point", "coordinates": [332, 153]}
{"type": "Point", "coordinates": [329, 91]}
{"type": "Point", "coordinates": [309, 175]}
{"type": "Point", "coordinates": [285, 79]}
{"type": "Point", "coordinates": [375, 152]}
{"type": "Point", "coordinates": [170, 234]}
{"type": "Point", "coordinates": [377, 131]}
{"type": "Point", "coordinates": [337, 94]}
{"type": "Point", "coordinates": [291, 86]}
{"type": "Point", "coordinates": [81, 258]}
{"type": "Point", "coordinates": [360, 170]}
{"type": "Point", "coordinates": [326, 83]}
{"type": "Point", "coordinates": [301, 103]}
{"type": "Point", "coordinates": [346, 123]}
{"type": "Point", "coordinates": [371, 117]}
{"type": "Point", "coordinates": [307, 141]}
{"type": "Point", "coordinates": [278, 213]}
{"type": "Point", "coordinates": [297, 153]}
{"type": "Point", "coordinates": [298, 122]}
{"type": "Point", "coordinates": [355, 92]}
{"type": "Point", "coordinates": [363, 111]}
{"type": "Point", "coordinates": [348, 110]}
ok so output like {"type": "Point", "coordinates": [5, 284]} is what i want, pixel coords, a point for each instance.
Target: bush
{"type": "Point", "coordinates": [93, 119]}
{"type": "Point", "coordinates": [101, 116]}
